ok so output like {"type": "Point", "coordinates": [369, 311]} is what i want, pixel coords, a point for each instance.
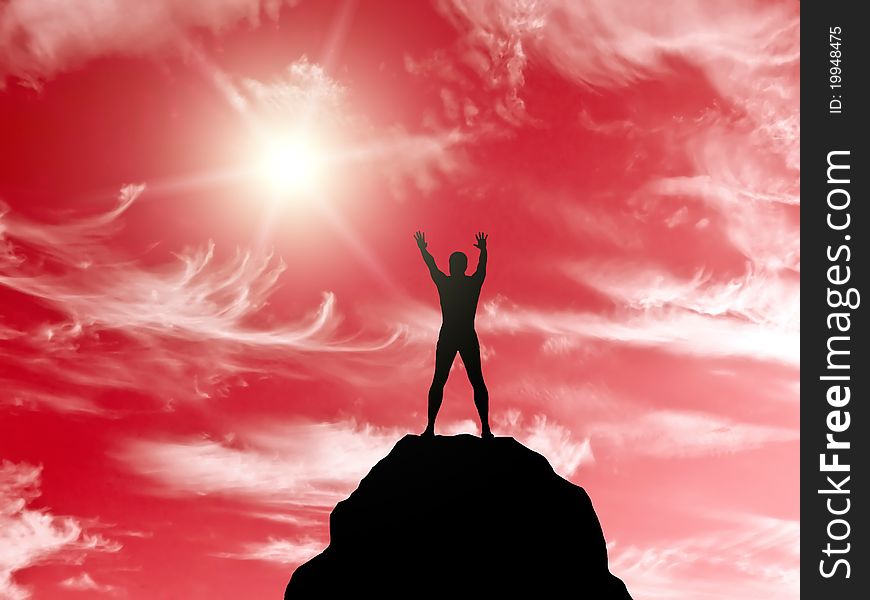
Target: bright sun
{"type": "Point", "coordinates": [291, 165]}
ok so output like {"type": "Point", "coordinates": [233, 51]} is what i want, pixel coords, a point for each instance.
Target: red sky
{"type": "Point", "coordinates": [195, 368]}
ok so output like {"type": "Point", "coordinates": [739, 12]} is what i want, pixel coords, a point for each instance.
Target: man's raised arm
{"type": "Point", "coordinates": [427, 257]}
{"type": "Point", "coordinates": [480, 273]}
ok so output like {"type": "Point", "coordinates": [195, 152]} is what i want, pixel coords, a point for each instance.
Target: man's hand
{"type": "Point", "coordinates": [481, 240]}
{"type": "Point", "coordinates": [421, 240]}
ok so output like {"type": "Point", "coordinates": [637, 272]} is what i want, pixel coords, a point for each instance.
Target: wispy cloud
{"type": "Point", "coordinates": [636, 40]}
{"type": "Point", "coordinates": [766, 298]}
{"type": "Point", "coordinates": [83, 582]}
{"type": "Point", "coordinates": [557, 443]}
{"type": "Point", "coordinates": [182, 325]}
{"type": "Point", "coordinates": [671, 330]}
{"type": "Point", "coordinates": [548, 438]}
{"type": "Point", "coordinates": [482, 74]}
{"type": "Point", "coordinates": [280, 551]}
{"type": "Point", "coordinates": [303, 91]}
{"type": "Point", "coordinates": [746, 556]}
{"type": "Point", "coordinates": [629, 432]}
{"type": "Point", "coordinates": [38, 39]}
{"type": "Point", "coordinates": [195, 298]}
{"type": "Point", "coordinates": [759, 221]}
{"type": "Point", "coordinates": [302, 463]}
{"type": "Point", "coordinates": [740, 158]}
{"type": "Point", "coordinates": [30, 536]}
{"type": "Point", "coordinates": [683, 434]}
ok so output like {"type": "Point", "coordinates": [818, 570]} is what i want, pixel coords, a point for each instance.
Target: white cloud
{"type": "Point", "coordinates": [195, 298]}
{"type": "Point", "coordinates": [766, 298]}
{"type": "Point", "coordinates": [743, 154]}
{"type": "Point", "coordinates": [670, 329]}
{"type": "Point", "coordinates": [748, 556]}
{"type": "Point", "coordinates": [303, 88]}
{"type": "Point", "coordinates": [41, 37]}
{"type": "Point", "coordinates": [300, 463]}
{"type": "Point", "coordinates": [761, 225]}
{"type": "Point", "coordinates": [184, 324]}
{"type": "Point", "coordinates": [31, 536]}
{"type": "Point", "coordinates": [603, 44]}
{"type": "Point", "coordinates": [550, 439]}
{"type": "Point", "coordinates": [280, 551]}
{"type": "Point", "coordinates": [422, 160]}
{"type": "Point", "coordinates": [635, 432]}
{"type": "Point", "coordinates": [683, 434]}
{"type": "Point", "coordinates": [481, 75]}
{"type": "Point", "coordinates": [83, 582]}
{"type": "Point", "coordinates": [586, 424]}
{"type": "Point", "coordinates": [545, 436]}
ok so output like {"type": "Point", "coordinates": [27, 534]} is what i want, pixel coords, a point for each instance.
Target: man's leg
{"type": "Point", "coordinates": [469, 350]}
{"type": "Point", "coordinates": [445, 352]}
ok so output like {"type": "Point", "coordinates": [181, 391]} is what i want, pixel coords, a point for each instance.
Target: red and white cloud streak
{"type": "Point", "coordinates": [314, 464]}
{"type": "Point", "coordinates": [85, 583]}
{"type": "Point", "coordinates": [39, 39]}
{"type": "Point", "coordinates": [754, 557]}
{"type": "Point", "coordinates": [31, 536]}
{"type": "Point", "coordinates": [214, 370]}
{"type": "Point", "coordinates": [187, 322]}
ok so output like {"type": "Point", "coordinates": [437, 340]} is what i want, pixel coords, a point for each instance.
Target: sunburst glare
{"type": "Point", "coordinates": [291, 165]}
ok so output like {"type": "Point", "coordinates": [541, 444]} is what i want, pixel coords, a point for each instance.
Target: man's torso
{"type": "Point", "coordinates": [459, 297]}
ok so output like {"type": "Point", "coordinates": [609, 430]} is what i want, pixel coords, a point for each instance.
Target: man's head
{"type": "Point", "coordinates": [458, 263]}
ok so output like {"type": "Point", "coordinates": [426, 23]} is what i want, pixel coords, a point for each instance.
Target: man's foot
{"type": "Point", "coordinates": [428, 432]}
{"type": "Point", "coordinates": [486, 434]}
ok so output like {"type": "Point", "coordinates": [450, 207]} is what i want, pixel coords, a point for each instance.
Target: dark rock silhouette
{"type": "Point", "coordinates": [459, 516]}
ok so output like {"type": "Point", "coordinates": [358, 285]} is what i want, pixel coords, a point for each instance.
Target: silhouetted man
{"type": "Point", "coordinates": [459, 294]}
